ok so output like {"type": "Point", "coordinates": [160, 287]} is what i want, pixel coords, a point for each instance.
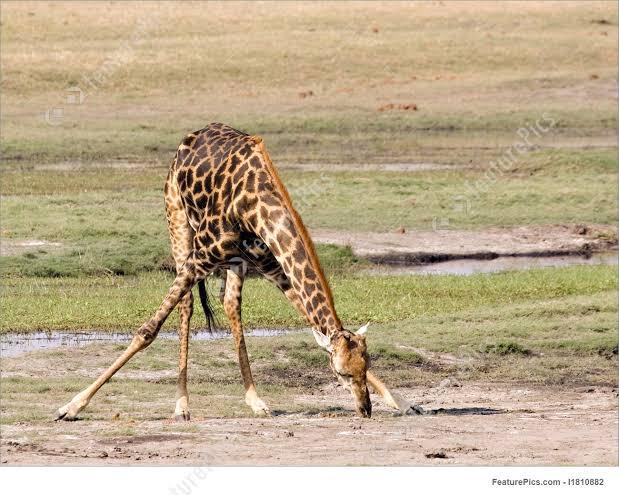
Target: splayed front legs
{"type": "Point", "coordinates": [143, 338]}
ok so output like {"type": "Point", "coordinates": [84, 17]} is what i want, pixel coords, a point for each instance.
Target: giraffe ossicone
{"type": "Point", "coordinates": [363, 329]}
{"type": "Point", "coordinates": [323, 340]}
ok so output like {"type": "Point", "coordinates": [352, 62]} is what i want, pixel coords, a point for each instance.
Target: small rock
{"type": "Point", "coordinates": [581, 229]}
{"type": "Point", "coordinates": [103, 455]}
{"type": "Point", "coordinates": [400, 230]}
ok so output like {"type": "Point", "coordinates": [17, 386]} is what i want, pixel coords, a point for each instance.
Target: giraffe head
{"type": "Point", "coordinates": [349, 360]}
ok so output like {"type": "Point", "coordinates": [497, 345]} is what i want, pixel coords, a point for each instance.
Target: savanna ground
{"type": "Point", "coordinates": [384, 118]}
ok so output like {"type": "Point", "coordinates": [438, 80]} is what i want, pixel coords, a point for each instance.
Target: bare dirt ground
{"type": "Point", "coordinates": [471, 424]}
{"type": "Point", "coordinates": [441, 245]}
{"type": "Point", "coordinates": [424, 246]}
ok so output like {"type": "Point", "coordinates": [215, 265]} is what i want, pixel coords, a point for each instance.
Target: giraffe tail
{"type": "Point", "coordinates": [208, 311]}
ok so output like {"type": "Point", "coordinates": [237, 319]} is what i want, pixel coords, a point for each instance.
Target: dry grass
{"type": "Point", "coordinates": [468, 67]}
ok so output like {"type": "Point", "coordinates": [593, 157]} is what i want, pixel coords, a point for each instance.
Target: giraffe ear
{"type": "Point", "coordinates": [363, 329]}
{"type": "Point", "coordinates": [323, 340]}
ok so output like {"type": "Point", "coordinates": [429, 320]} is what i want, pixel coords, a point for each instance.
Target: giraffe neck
{"type": "Point", "coordinates": [318, 309]}
{"type": "Point", "coordinates": [291, 244]}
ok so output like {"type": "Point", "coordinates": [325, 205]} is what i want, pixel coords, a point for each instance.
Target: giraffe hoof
{"type": "Point", "coordinates": [180, 417]}
{"type": "Point", "coordinates": [65, 417]}
{"type": "Point", "coordinates": [261, 409]}
{"type": "Point", "coordinates": [266, 412]}
{"type": "Point", "coordinates": [181, 411]}
{"type": "Point", "coordinates": [68, 412]}
{"type": "Point", "coordinates": [405, 407]}
{"type": "Point", "coordinates": [61, 415]}
{"type": "Point", "coordinates": [258, 406]}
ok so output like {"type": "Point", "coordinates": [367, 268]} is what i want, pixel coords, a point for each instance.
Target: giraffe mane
{"type": "Point", "coordinates": [300, 226]}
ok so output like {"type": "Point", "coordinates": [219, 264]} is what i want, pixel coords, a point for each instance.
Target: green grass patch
{"type": "Point", "coordinates": [123, 303]}
{"type": "Point", "coordinates": [505, 348]}
{"type": "Point", "coordinates": [390, 355]}
{"type": "Point", "coordinates": [567, 324]}
{"type": "Point", "coordinates": [111, 221]}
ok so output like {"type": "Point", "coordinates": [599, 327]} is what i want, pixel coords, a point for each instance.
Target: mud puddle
{"type": "Point", "coordinates": [15, 344]}
{"type": "Point", "coordinates": [499, 264]}
{"type": "Point", "coordinates": [12, 247]}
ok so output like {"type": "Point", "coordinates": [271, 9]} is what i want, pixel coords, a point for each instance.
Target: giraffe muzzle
{"type": "Point", "coordinates": [364, 405]}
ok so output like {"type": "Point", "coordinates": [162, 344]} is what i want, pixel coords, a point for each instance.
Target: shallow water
{"type": "Point", "coordinates": [500, 264]}
{"type": "Point", "coordinates": [15, 344]}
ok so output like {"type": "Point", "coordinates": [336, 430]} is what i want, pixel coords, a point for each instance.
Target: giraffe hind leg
{"type": "Point", "coordinates": [181, 241]}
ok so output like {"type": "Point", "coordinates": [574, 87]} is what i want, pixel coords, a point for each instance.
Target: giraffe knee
{"type": "Point", "coordinates": [146, 334]}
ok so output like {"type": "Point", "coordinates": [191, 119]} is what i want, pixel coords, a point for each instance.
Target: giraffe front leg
{"type": "Point", "coordinates": [143, 338]}
{"type": "Point", "coordinates": [185, 309]}
{"type": "Point", "coordinates": [70, 410]}
{"type": "Point", "coordinates": [232, 307]}
{"type": "Point", "coordinates": [391, 398]}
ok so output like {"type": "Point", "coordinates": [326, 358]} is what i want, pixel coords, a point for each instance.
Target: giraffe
{"type": "Point", "coordinates": [226, 208]}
